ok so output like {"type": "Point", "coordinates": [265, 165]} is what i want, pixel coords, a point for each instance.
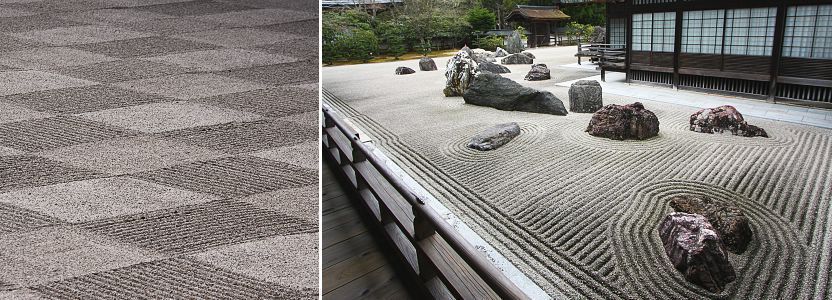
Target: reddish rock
{"type": "Point", "coordinates": [696, 250]}
{"type": "Point", "coordinates": [721, 119]}
{"type": "Point", "coordinates": [729, 221]}
{"type": "Point", "coordinates": [621, 122]}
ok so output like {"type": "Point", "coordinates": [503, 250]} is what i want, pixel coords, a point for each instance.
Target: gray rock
{"type": "Point", "coordinates": [483, 58]}
{"type": "Point", "coordinates": [427, 64]}
{"type": "Point", "coordinates": [495, 91]}
{"type": "Point", "coordinates": [728, 220]}
{"type": "Point", "coordinates": [495, 137]}
{"type": "Point", "coordinates": [695, 250]}
{"type": "Point", "coordinates": [500, 52]}
{"type": "Point", "coordinates": [517, 59]}
{"type": "Point", "coordinates": [622, 122]}
{"type": "Point", "coordinates": [599, 35]}
{"type": "Point", "coordinates": [404, 71]}
{"type": "Point", "coordinates": [459, 72]}
{"type": "Point", "coordinates": [585, 96]}
{"type": "Point", "coordinates": [538, 72]}
{"type": "Point", "coordinates": [513, 43]}
{"type": "Point", "coordinates": [529, 54]}
{"type": "Point", "coordinates": [493, 68]}
{"type": "Point", "coordinates": [467, 50]}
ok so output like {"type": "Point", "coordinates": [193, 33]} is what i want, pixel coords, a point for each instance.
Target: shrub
{"type": "Point", "coordinates": [481, 19]}
{"type": "Point", "coordinates": [579, 31]}
{"type": "Point", "coordinates": [348, 35]}
{"type": "Point", "coordinates": [490, 43]}
{"type": "Point", "coordinates": [392, 34]}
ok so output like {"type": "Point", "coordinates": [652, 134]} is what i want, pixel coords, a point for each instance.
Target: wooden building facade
{"type": "Point", "coordinates": [778, 50]}
{"type": "Point", "coordinates": [539, 21]}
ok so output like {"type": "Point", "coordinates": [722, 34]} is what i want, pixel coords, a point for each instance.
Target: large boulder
{"type": "Point", "coordinates": [404, 71]}
{"type": "Point", "coordinates": [721, 119]}
{"type": "Point", "coordinates": [504, 94]}
{"type": "Point", "coordinates": [728, 220]}
{"type": "Point", "coordinates": [529, 54]}
{"type": "Point", "coordinates": [585, 96]}
{"type": "Point", "coordinates": [459, 72]}
{"type": "Point", "coordinates": [500, 52]}
{"type": "Point", "coordinates": [513, 43]}
{"type": "Point", "coordinates": [427, 64]}
{"type": "Point", "coordinates": [695, 250]}
{"type": "Point", "coordinates": [599, 35]}
{"type": "Point", "coordinates": [538, 72]}
{"type": "Point", "coordinates": [517, 59]}
{"type": "Point", "coordinates": [494, 137]}
{"type": "Point", "coordinates": [493, 68]}
{"type": "Point", "coordinates": [621, 122]}
{"type": "Point", "coordinates": [468, 50]}
{"type": "Point", "coordinates": [484, 58]}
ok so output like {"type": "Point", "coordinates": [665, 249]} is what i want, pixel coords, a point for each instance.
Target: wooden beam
{"type": "Point", "coordinates": [777, 49]}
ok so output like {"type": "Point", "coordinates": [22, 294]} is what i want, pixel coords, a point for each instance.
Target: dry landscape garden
{"type": "Point", "coordinates": [600, 195]}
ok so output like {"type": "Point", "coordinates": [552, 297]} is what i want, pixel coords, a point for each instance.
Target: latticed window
{"type": "Point", "coordinates": [618, 31]}
{"type": "Point", "coordinates": [750, 31]}
{"type": "Point", "coordinates": [808, 32]}
{"type": "Point", "coordinates": [654, 32]}
{"type": "Point", "coordinates": [702, 31]}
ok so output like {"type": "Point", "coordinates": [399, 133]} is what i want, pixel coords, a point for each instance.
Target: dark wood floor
{"type": "Point", "coordinates": [354, 265]}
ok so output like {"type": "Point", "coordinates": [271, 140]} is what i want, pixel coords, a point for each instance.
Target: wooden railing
{"type": "Point", "coordinates": [436, 253]}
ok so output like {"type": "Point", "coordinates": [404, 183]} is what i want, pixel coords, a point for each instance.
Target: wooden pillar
{"type": "Point", "coordinates": [629, 42]}
{"type": "Point", "coordinates": [777, 49]}
{"type": "Point", "coordinates": [677, 46]}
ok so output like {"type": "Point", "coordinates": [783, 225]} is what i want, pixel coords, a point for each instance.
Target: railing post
{"type": "Point", "coordinates": [422, 228]}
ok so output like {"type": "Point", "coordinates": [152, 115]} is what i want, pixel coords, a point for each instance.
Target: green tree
{"type": "Point", "coordinates": [392, 34]}
{"type": "Point", "coordinates": [589, 13]}
{"type": "Point", "coordinates": [348, 35]}
{"type": "Point", "coordinates": [481, 19]}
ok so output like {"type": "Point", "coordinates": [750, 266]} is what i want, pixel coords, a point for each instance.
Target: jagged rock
{"type": "Point", "coordinates": [513, 43]}
{"type": "Point", "coordinates": [517, 59]}
{"type": "Point", "coordinates": [459, 72]}
{"type": "Point", "coordinates": [585, 96]}
{"type": "Point", "coordinates": [621, 122]}
{"type": "Point", "coordinates": [493, 68]}
{"type": "Point", "coordinates": [484, 58]}
{"type": "Point", "coordinates": [494, 137]}
{"type": "Point", "coordinates": [504, 94]}
{"type": "Point", "coordinates": [404, 71]}
{"type": "Point", "coordinates": [538, 72]}
{"type": "Point", "coordinates": [468, 50]}
{"type": "Point", "coordinates": [427, 64]}
{"type": "Point", "coordinates": [500, 52]}
{"type": "Point", "coordinates": [696, 250]}
{"type": "Point", "coordinates": [728, 220]}
{"type": "Point", "coordinates": [529, 54]}
{"type": "Point", "coordinates": [722, 118]}
{"type": "Point", "coordinates": [599, 35]}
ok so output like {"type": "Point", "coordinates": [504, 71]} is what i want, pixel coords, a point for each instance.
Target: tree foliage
{"type": "Point", "coordinates": [348, 35]}
{"type": "Point", "coordinates": [481, 19]}
{"type": "Point", "coordinates": [590, 13]}
{"type": "Point", "coordinates": [576, 30]}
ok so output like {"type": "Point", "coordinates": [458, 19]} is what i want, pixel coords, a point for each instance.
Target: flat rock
{"type": "Point", "coordinates": [517, 59]}
{"type": "Point", "coordinates": [538, 72]}
{"type": "Point", "coordinates": [459, 72]}
{"type": "Point", "coordinates": [495, 137]}
{"type": "Point", "coordinates": [721, 119]}
{"type": "Point", "coordinates": [493, 68]}
{"type": "Point", "coordinates": [621, 122]}
{"type": "Point", "coordinates": [695, 250]}
{"type": "Point", "coordinates": [529, 54]}
{"type": "Point", "coordinates": [585, 96]}
{"type": "Point", "coordinates": [427, 64]}
{"type": "Point", "coordinates": [495, 91]}
{"type": "Point", "coordinates": [404, 71]}
{"type": "Point", "coordinates": [728, 220]}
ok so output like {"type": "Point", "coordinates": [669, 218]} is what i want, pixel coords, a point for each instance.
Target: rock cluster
{"type": "Point", "coordinates": [459, 73]}
{"type": "Point", "coordinates": [495, 137]}
{"type": "Point", "coordinates": [585, 96]}
{"type": "Point", "coordinates": [621, 122]}
{"type": "Point", "coordinates": [493, 68]}
{"type": "Point", "coordinates": [695, 249]}
{"type": "Point", "coordinates": [504, 94]}
{"type": "Point", "coordinates": [538, 72]}
{"type": "Point", "coordinates": [517, 59]}
{"type": "Point", "coordinates": [728, 220]}
{"type": "Point", "coordinates": [513, 43]}
{"type": "Point", "coordinates": [404, 71]}
{"type": "Point", "coordinates": [427, 64]}
{"type": "Point", "coordinates": [721, 119]}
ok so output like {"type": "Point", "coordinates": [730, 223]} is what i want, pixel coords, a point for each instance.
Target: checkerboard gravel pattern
{"type": "Point", "coordinates": [158, 149]}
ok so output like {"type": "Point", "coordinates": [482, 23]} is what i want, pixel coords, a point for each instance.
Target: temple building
{"type": "Point", "coordinates": [775, 50]}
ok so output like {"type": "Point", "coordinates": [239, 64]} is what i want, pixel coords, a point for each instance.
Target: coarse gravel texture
{"type": "Point", "coordinates": [131, 167]}
{"type": "Point", "coordinates": [579, 214]}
